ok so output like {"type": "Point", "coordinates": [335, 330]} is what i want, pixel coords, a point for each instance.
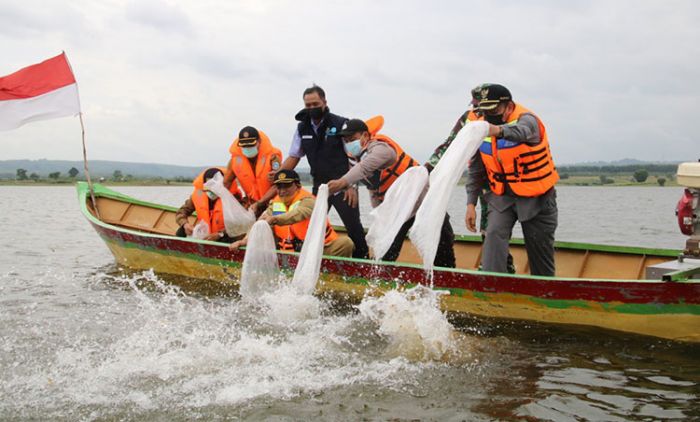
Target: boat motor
{"type": "Point", "coordinates": [688, 212]}
{"type": "Point", "coordinates": [688, 208]}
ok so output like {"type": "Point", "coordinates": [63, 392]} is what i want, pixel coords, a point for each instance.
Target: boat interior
{"type": "Point", "coordinates": [572, 260]}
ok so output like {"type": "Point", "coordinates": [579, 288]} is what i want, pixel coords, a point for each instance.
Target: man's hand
{"type": "Point", "coordinates": [271, 219]}
{"type": "Point", "coordinates": [189, 228]}
{"type": "Point", "coordinates": [351, 196]}
{"type": "Point", "coordinates": [336, 186]}
{"type": "Point", "coordinates": [254, 207]}
{"type": "Point", "coordinates": [237, 244]}
{"type": "Point", "coordinates": [213, 236]}
{"type": "Point", "coordinates": [496, 131]}
{"type": "Point", "coordinates": [271, 175]}
{"type": "Point", "coordinates": [470, 219]}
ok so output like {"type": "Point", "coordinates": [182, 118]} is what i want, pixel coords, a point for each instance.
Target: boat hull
{"type": "Point", "coordinates": [668, 310]}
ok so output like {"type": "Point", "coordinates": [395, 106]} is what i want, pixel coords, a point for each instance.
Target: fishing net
{"type": "Point", "coordinates": [260, 270]}
{"type": "Point", "coordinates": [237, 219]}
{"type": "Point", "coordinates": [425, 233]}
{"type": "Point", "coordinates": [398, 206]}
{"type": "Point", "coordinates": [309, 266]}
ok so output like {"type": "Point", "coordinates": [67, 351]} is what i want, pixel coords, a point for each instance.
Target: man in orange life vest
{"type": "Point", "coordinates": [208, 207]}
{"type": "Point", "coordinates": [516, 162]}
{"type": "Point", "coordinates": [381, 162]}
{"type": "Point", "coordinates": [252, 158]}
{"type": "Point", "coordinates": [289, 215]}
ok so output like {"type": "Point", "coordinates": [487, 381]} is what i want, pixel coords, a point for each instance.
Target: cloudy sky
{"type": "Point", "coordinates": [173, 82]}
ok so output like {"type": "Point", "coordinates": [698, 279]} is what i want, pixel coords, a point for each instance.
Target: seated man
{"type": "Point", "coordinates": [252, 157]}
{"type": "Point", "coordinates": [208, 206]}
{"type": "Point", "coordinates": [381, 162]}
{"type": "Point", "coordinates": [289, 214]}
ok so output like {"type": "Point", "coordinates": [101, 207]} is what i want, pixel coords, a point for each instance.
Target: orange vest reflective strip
{"type": "Point", "coordinates": [198, 181]}
{"type": "Point", "coordinates": [214, 218]}
{"type": "Point", "coordinates": [528, 170]}
{"type": "Point", "coordinates": [294, 233]}
{"type": "Point", "coordinates": [388, 176]}
{"type": "Point", "coordinates": [254, 182]}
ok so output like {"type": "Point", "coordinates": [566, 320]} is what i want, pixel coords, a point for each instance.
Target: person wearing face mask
{"type": "Point", "coordinates": [289, 214]}
{"type": "Point", "coordinates": [252, 157]}
{"type": "Point", "coordinates": [380, 162]}
{"type": "Point", "coordinates": [208, 207]}
{"type": "Point", "coordinates": [516, 163]}
{"type": "Point", "coordinates": [470, 115]}
{"type": "Point", "coordinates": [316, 137]}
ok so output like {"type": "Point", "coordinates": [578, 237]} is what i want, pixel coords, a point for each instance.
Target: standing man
{"type": "Point", "coordinates": [471, 115]}
{"type": "Point", "coordinates": [516, 161]}
{"type": "Point", "coordinates": [317, 138]}
{"type": "Point", "coordinates": [252, 157]}
{"type": "Point", "coordinates": [381, 162]}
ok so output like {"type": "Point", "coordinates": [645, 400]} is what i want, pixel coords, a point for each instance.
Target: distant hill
{"type": "Point", "coordinates": [98, 168]}
{"type": "Point", "coordinates": [619, 163]}
{"type": "Point", "coordinates": [101, 168]}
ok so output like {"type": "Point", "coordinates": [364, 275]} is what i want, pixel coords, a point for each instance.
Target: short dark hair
{"type": "Point", "coordinates": [317, 89]}
{"type": "Point", "coordinates": [211, 172]}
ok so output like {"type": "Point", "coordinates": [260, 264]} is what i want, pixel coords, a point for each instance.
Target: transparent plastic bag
{"type": "Point", "coordinates": [260, 272]}
{"type": "Point", "coordinates": [309, 266]}
{"type": "Point", "coordinates": [398, 206]}
{"type": "Point", "coordinates": [425, 233]}
{"type": "Point", "coordinates": [237, 219]}
{"type": "Point", "coordinates": [201, 230]}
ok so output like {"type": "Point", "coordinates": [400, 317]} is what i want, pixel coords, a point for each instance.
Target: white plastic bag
{"type": "Point", "coordinates": [260, 272]}
{"type": "Point", "coordinates": [309, 266]}
{"type": "Point", "coordinates": [398, 206]}
{"type": "Point", "coordinates": [201, 230]}
{"type": "Point", "coordinates": [425, 233]}
{"type": "Point", "coordinates": [237, 219]}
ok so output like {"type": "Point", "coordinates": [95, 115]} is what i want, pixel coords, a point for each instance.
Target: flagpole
{"type": "Point", "coordinates": [85, 164]}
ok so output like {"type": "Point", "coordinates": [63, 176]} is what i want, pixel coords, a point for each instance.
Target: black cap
{"type": "Point", "coordinates": [248, 136]}
{"type": "Point", "coordinates": [492, 95]}
{"type": "Point", "coordinates": [353, 126]}
{"type": "Point", "coordinates": [286, 176]}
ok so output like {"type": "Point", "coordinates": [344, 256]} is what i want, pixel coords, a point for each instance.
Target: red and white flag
{"type": "Point", "coordinates": [41, 91]}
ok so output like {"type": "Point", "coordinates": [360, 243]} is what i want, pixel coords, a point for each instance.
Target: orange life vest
{"type": "Point", "coordinates": [198, 182]}
{"type": "Point", "coordinates": [292, 236]}
{"type": "Point", "coordinates": [254, 181]}
{"type": "Point", "coordinates": [214, 218]}
{"type": "Point", "coordinates": [528, 170]}
{"type": "Point", "coordinates": [388, 176]}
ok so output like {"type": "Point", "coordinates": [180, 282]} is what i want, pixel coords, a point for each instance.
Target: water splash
{"type": "Point", "coordinates": [412, 322]}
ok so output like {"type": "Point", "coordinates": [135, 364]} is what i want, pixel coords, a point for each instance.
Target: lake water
{"type": "Point", "coordinates": [81, 339]}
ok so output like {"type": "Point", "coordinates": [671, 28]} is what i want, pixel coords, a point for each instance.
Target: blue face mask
{"type": "Point", "coordinates": [250, 152]}
{"type": "Point", "coordinates": [354, 148]}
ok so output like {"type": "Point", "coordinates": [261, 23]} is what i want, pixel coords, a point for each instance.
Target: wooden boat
{"type": "Point", "coordinates": [600, 286]}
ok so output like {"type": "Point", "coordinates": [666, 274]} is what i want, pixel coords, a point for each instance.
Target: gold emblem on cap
{"type": "Point", "coordinates": [245, 134]}
{"type": "Point", "coordinates": [283, 176]}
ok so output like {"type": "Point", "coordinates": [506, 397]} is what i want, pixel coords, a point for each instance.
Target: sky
{"type": "Point", "coordinates": [173, 82]}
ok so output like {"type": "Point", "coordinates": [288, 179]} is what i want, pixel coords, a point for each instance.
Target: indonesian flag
{"type": "Point", "coordinates": [41, 91]}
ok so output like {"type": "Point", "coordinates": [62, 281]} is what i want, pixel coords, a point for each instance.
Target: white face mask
{"type": "Point", "coordinates": [250, 152]}
{"type": "Point", "coordinates": [354, 148]}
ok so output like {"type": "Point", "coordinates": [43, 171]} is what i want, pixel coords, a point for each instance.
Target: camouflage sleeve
{"type": "Point", "coordinates": [440, 150]}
